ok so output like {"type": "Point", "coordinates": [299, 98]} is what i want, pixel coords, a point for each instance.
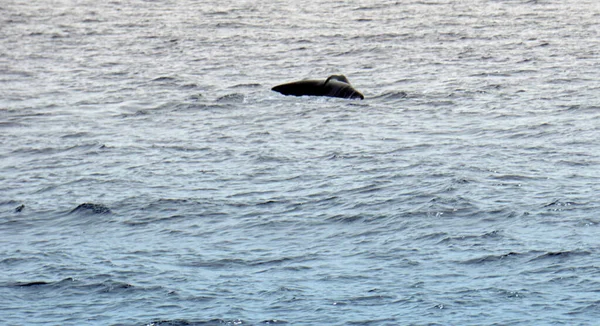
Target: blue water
{"type": "Point", "coordinates": [461, 191]}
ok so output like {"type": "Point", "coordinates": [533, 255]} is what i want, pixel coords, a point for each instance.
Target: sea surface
{"type": "Point", "coordinates": [149, 175]}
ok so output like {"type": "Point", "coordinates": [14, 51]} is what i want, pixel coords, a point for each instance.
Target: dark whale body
{"type": "Point", "coordinates": [334, 86]}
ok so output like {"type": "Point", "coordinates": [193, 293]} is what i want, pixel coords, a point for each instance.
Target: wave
{"type": "Point", "coordinates": [561, 255]}
{"type": "Point", "coordinates": [186, 322]}
{"type": "Point", "coordinates": [537, 256]}
{"type": "Point", "coordinates": [231, 98]}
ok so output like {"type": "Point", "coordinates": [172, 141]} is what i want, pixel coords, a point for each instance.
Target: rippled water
{"type": "Point", "coordinates": [149, 176]}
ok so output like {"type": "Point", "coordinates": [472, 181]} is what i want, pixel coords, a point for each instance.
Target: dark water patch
{"type": "Point", "coordinates": [91, 208]}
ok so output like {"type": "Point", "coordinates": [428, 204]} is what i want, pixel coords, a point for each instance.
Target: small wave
{"type": "Point", "coordinates": [491, 258]}
{"type": "Point", "coordinates": [372, 299]}
{"type": "Point", "coordinates": [559, 203]}
{"type": "Point", "coordinates": [9, 202]}
{"type": "Point", "coordinates": [137, 113]}
{"type": "Point", "coordinates": [164, 79]}
{"type": "Point", "coordinates": [231, 98]}
{"type": "Point", "coordinates": [395, 95]}
{"type": "Point", "coordinates": [274, 322]}
{"type": "Point", "coordinates": [181, 148]}
{"type": "Point", "coordinates": [344, 218]}
{"type": "Point", "coordinates": [190, 86]}
{"type": "Point", "coordinates": [485, 236]}
{"type": "Point", "coordinates": [561, 255]}
{"type": "Point", "coordinates": [42, 283]}
{"type": "Point", "coordinates": [185, 322]}
{"type": "Point", "coordinates": [10, 124]}
{"type": "Point", "coordinates": [75, 135]}
{"type": "Point", "coordinates": [250, 85]}
{"type": "Point", "coordinates": [197, 106]}
{"type": "Point", "coordinates": [432, 236]}
{"type": "Point", "coordinates": [34, 283]}
{"type": "Point", "coordinates": [112, 286]}
{"type": "Point", "coordinates": [511, 177]}
{"type": "Point", "coordinates": [381, 321]}
{"type": "Point", "coordinates": [56, 150]}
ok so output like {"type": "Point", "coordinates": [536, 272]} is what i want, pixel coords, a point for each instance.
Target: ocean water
{"type": "Point", "coordinates": [149, 176]}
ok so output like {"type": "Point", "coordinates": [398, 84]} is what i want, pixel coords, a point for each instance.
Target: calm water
{"type": "Point", "coordinates": [461, 191]}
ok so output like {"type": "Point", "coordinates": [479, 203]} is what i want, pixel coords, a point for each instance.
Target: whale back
{"type": "Point", "coordinates": [333, 86]}
{"type": "Point", "coordinates": [300, 88]}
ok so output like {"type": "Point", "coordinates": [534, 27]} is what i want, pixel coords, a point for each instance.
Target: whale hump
{"type": "Point", "coordinates": [333, 86]}
{"type": "Point", "coordinates": [340, 78]}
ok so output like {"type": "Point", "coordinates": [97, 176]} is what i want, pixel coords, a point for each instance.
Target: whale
{"type": "Point", "coordinates": [333, 86]}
